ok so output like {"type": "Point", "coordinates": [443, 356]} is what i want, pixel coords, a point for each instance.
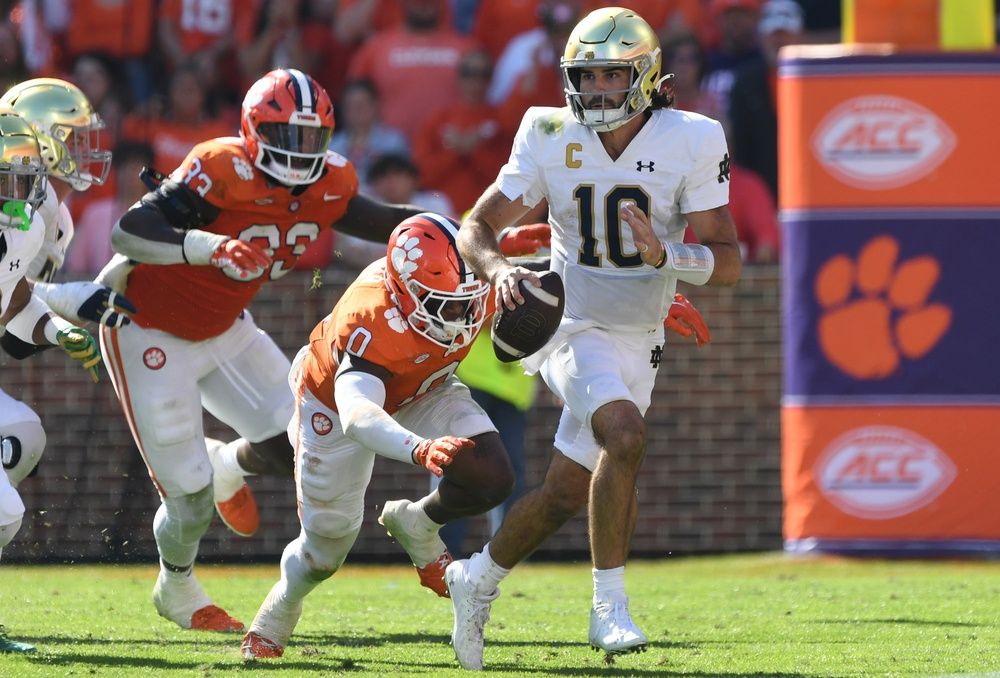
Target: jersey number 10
{"type": "Point", "coordinates": [584, 196]}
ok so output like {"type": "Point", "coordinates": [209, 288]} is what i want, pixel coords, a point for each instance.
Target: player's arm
{"type": "Point", "coordinates": [165, 227]}
{"type": "Point", "coordinates": [373, 220]}
{"type": "Point", "coordinates": [360, 397]}
{"type": "Point", "coordinates": [716, 231]}
{"type": "Point", "coordinates": [479, 247]}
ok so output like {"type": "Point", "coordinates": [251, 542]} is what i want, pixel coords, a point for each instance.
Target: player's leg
{"type": "Point", "coordinates": [333, 473]}
{"type": "Point", "coordinates": [22, 438]}
{"type": "Point", "coordinates": [155, 376]}
{"type": "Point", "coordinates": [476, 481]}
{"type": "Point", "coordinates": [248, 391]}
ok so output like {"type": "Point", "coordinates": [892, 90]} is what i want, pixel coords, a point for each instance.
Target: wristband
{"type": "Point", "coordinates": [663, 256]}
{"type": "Point", "coordinates": [199, 246]}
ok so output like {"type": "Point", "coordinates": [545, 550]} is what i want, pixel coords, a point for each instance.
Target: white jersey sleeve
{"type": "Point", "coordinates": [58, 234]}
{"type": "Point", "coordinates": [17, 249]}
{"type": "Point", "coordinates": [522, 176]}
{"type": "Point", "coordinates": [707, 184]}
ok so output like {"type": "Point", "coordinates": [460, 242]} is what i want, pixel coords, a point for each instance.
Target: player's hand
{"type": "Point", "coordinates": [521, 240]}
{"type": "Point", "coordinates": [434, 453]}
{"type": "Point", "coordinates": [505, 282]}
{"type": "Point", "coordinates": [245, 258]}
{"type": "Point", "coordinates": [684, 319]}
{"type": "Point", "coordinates": [649, 246]}
{"type": "Point", "coordinates": [80, 346]}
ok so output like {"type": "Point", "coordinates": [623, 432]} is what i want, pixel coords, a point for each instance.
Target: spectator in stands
{"type": "Point", "coordinates": [395, 179]}
{"type": "Point", "coordinates": [187, 118]}
{"type": "Point", "coordinates": [360, 134]}
{"type": "Point", "coordinates": [684, 57]}
{"type": "Point", "coordinates": [414, 67]}
{"type": "Point", "coordinates": [460, 148]}
{"type": "Point", "coordinates": [498, 22]}
{"type": "Point", "coordinates": [736, 21]}
{"type": "Point", "coordinates": [664, 16]}
{"type": "Point", "coordinates": [755, 215]}
{"type": "Point", "coordinates": [534, 51]}
{"type": "Point", "coordinates": [208, 32]}
{"type": "Point", "coordinates": [12, 67]}
{"type": "Point", "coordinates": [297, 34]}
{"type": "Point", "coordinates": [753, 138]}
{"type": "Point", "coordinates": [122, 31]}
{"type": "Point", "coordinates": [91, 248]}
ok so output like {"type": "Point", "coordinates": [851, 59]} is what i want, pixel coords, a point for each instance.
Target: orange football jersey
{"type": "Point", "coordinates": [366, 323]}
{"type": "Point", "coordinates": [199, 302]}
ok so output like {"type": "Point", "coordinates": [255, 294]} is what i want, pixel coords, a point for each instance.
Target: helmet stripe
{"type": "Point", "coordinates": [451, 232]}
{"type": "Point", "coordinates": [303, 90]}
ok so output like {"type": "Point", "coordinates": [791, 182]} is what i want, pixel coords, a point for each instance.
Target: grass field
{"type": "Point", "coordinates": [708, 616]}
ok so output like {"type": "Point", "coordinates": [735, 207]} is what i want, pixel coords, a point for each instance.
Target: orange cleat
{"type": "Point", "coordinates": [256, 646]}
{"type": "Point", "coordinates": [214, 618]}
{"type": "Point", "coordinates": [239, 512]}
{"type": "Point", "coordinates": [432, 574]}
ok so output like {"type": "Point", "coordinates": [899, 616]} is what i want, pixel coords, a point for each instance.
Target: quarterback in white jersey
{"type": "Point", "coordinates": [622, 173]}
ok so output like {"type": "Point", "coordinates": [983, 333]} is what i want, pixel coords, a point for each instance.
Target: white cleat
{"type": "Point", "coordinates": [426, 549]}
{"type": "Point", "coordinates": [234, 501]}
{"type": "Point", "coordinates": [612, 629]}
{"type": "Point", "coordinates": [472, 611]}
{"type": "Point", "coordinates": [178, 598]}
{"type": "Point", "coordinates": [275, 620]}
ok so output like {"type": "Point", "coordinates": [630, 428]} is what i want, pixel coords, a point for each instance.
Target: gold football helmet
{"type": "Point", "coordinates": [68, 129]}
{"type": "Point", "coordinates": [608, 38]}
{"type": "Point", "coordinates": [22, 172]}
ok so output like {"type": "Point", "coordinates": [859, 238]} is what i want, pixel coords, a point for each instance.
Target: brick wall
{"type": "Point", "coordinates": [710, 481]}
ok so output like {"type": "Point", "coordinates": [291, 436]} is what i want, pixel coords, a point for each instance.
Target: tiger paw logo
{"type": "Point", "coordinates": [875, 310]}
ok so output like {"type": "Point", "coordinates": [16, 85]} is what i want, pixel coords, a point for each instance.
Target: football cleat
{"type": "Point", "coordinates": [256, 646]}
{"type": "Point", "coordinates": [472, 611]}
{"type": "Point", "coordinates": [182, 600]}
{"type": "Point", "coordinates": [426, 550]}
{"type": "Point", "coordinates": [234, 501]}
{"type": "Point", "coordinates": [214, 618]}
{"type": "Point", "coordinates": [11, 646]}
{"type": "Point", "coordinates": [612, 629]}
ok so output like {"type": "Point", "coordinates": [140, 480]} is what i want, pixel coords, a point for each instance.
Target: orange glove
{"type": "Point", "coordinates": [521, 240]}
{"type": "Point", "coordinates": [246, 259]}
{"type": "Point", "coordinates": [434, 453]}
{"type": "Point", "coordinates": [685, 320]}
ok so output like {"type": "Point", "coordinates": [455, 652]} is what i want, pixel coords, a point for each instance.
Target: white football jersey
{"type": "Point", "coordinates": [677, 163]}
{"type": "Point", "coordinates": [58, 234]}
{"type": "Point", "coordinates": [17, 249]}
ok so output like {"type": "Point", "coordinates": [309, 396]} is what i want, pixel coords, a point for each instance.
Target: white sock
{"type": "Point", "coordinates": [228, 460]}
{"type": "Point", "coordinates": [423, 520]}
{"type": "Point", "coordinates": [485, 573]}
{"type": "Point", "coordinates": [175, 574]}
{"type": "Point", "coordinates": [609, 584]}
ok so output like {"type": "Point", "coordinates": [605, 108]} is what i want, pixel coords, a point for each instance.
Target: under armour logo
{"type": "Point", "coordinates": [640, 166]}
{"type": "Point", "coordinates": [724, 169]}
{"type": "Point", "coordinates": [655, 356]}
{"type": "Point", "coordinates": [15, 264]}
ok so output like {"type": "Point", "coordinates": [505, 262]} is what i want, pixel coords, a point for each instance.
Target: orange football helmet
{"type": "Point", "coordinates": [438, 294]}
{"type": "Point", "coordinates": [286, 123]}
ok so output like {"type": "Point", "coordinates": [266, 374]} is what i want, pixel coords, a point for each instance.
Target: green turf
{"type": "Point", "coordinates": [708, 616]}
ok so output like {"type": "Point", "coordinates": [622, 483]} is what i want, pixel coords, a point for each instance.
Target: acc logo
{"type": "Point", "coordinates": [321, 423]}
{"type": "Point", "coordinates": [878, 142]}
{"type": "Point", "coordinates": [243, 169]}
{"type": "Point", "coordinates": [154, 358]}
{"type": "Point", "coordinates": [882, 472]}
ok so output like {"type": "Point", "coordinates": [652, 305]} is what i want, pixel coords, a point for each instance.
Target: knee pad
{"type": "Point", "coordinates": [321, 556]}
{"type": "Point", "coordinates": [11, 512]}
{"type": "Point", "coordinates": [21, 447]}
{"type": "Point", "coordinates": [188, 516]}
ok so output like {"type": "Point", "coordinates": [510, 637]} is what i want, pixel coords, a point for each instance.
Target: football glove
{"type": "Point", "coordinates": [434, 453]}
{"type": "Point", "coordinates": [244, 258]}
{"type": "Point", "coordinates": [522, 240]}
{"type": "Point", "coordinates": [80, 346]}
{"type": "Point", "coordinates": [80, 301]}
{"type": "Point", "coordinates": [685, 320]}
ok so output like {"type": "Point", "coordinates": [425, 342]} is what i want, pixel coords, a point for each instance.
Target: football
{"type": "Point", "coordinates": [523, 331]}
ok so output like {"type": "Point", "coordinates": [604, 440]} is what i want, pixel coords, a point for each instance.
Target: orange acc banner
{"type": "Point", "coordinates": [891, 406]}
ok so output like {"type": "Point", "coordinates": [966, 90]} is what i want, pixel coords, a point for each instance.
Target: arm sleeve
{"type": "Point", "coordinates": [520, 177]}
{"type": "Point", "coordinates": [360, 397]}
{"type": "Point", "coordinates": [707, 184]}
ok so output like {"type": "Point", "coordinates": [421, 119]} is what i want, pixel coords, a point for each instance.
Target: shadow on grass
{"type": "Point", "coordinates": [892, 620]}
{"type": "Point", "coordinates": [109, 661]}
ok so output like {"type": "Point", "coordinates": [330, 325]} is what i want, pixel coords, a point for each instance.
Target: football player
{"type": "Point", "coordinates": [377, 378]}
{"type": "Point", "coordinates": [26, 319]}
{"type": "Point", "coordinates": [238, 212]}
{"type": "Point", "coordinates": [622, 173]}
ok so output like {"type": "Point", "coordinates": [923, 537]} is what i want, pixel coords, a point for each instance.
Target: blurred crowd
{"type": "Point", "coordinates": [429, 93]}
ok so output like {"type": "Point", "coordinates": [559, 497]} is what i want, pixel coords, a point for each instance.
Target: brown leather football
{"type": "Point", "coordinates": [523, 331]}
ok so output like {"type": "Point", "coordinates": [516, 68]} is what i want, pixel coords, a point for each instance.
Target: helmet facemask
{"type": "Point", "coordinates": [22, 191]}
{"type": "Point", "coordinates": [589, 107]}
{"type": "Point", "coordinates": [449, 319]}
{"type": "Point", "coordinates": [74, 154]}
{"type": "Point", "coordinates": [292, 153]}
